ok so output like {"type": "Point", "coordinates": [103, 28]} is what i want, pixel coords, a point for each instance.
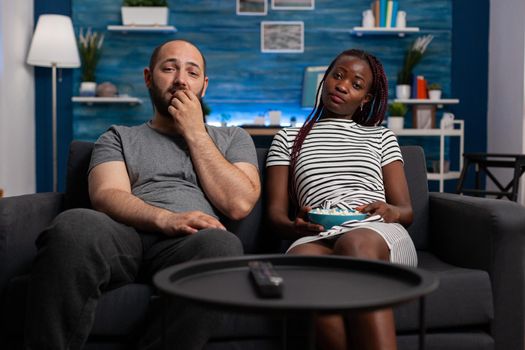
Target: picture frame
{"type": "Point", "coordinates": [252, 7]}
{"type": "Point", "coordinates": [424, 116]}
{"type": "Point", "coordinates": [293, 4]}
{"type": "Point", "coordinates": [282, 36]}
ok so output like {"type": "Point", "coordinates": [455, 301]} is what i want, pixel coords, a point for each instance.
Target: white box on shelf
{"type": "Point", "coordinates": [144, 16]}
{"type": "Point", "coordinates": [275, 117]}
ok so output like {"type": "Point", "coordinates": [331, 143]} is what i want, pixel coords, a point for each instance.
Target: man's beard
{"type": "Point", "coordinates": [161, 104]}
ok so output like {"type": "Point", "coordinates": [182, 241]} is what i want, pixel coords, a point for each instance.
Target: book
{"type": "Point", "coordinates": [413, 90]}
{"type": "Point", "coordinates": [421, 87]}
{"type": "Point", "coordinates": [382, 13]}
{"type": "Point", "coordinates": [375, 9]}
{"type": "Point", "coordinates": [395, 8]}
{"type": "Point", "coordinates": [389, 5]}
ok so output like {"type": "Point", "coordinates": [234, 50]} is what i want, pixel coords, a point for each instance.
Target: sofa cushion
{"type": "Point", "coordinates": [77, 195]}
{"type": "Point", "coordinates": [416, 174]}
{"type": "Point", "coordinates": [463, 298]}
{"type": "Point", "coordinates": [119, 312]}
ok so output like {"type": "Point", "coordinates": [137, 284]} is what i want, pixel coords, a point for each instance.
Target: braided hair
{"type": "Point", "coordinates": [371, 113]}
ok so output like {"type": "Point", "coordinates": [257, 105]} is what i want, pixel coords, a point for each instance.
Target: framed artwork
{"type": "Point", "coordinates": [252, 7]}
{"type": "Point", "coordinates": [293, 4]}
{"type": "Point", "coordinates": [282, 36]}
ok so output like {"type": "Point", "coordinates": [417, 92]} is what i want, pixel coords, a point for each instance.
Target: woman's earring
{"type": "Point", "coordinates": [361, 106]}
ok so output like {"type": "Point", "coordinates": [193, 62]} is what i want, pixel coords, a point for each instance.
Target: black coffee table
{"type": "Point", "coordinates": [312, 285]}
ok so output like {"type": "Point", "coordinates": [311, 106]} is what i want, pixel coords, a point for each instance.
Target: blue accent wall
{"type": "Point", "coordinates": [43, 110]}
{"type": "Point", "coordinates": [244, 82]}
{"type": "Point", "coordinates": [470, 64]}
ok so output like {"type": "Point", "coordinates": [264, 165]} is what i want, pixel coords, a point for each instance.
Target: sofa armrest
{"type": "Point", "coordinates": [468, 231]}
{"type": "Point", "coordinates": [22, 218]}
{"type": "Point", "coordinates": [486, 234]}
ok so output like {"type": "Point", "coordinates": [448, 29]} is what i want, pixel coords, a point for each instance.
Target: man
{"type": "Point", "coordinates": [158, 190]}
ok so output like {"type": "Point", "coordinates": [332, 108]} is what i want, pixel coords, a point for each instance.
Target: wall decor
{"type": "Point", "coordinates": [252, 7]}
{"type": "Point", "coordinates": [282, 36]}
{"type": "Point", "coordinates": [293, 4]}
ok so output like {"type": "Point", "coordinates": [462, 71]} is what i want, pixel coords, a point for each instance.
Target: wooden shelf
{"type": "Point", "coordinates": [457, 130]}
{"type": "Point", "coordinates": [420, 101]}
{"type": "Point", "coordinates": [261, 130]}
{"type": "Point", "coordinates": [428, 132]}
{"type": "Point", "coordinates": [360, 31]}
{"type": "Point", "coordinates": [450, 175]}
{"type": "Point", "coordinates": [95, 100]}
{"type": "Point", "coordinates": [146, 29]}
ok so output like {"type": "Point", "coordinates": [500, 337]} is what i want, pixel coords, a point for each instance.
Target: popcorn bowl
{"type": "Point", "coordinates": [334, 217]}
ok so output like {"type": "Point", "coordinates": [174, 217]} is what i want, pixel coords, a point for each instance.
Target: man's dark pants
{"type": "Point", "coordinates": [84, 253]}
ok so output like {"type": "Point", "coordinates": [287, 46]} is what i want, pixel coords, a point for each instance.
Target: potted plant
{"type": "Point", "coordinates": [144, 12]}
{"type": "Point", "coordinates": [396, 115]}
{"type": "Point", "coordinates": [90, 47]}
{"type": "Point", "coordinates": [412, 58]}
{"type": "Point", "coordinates": [434, 91]}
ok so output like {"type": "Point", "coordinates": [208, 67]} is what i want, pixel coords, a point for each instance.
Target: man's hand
{"type": "Point", "coordinates": [303, 227]}
{"type": "Point", "coordinates": [187, 223]}
{"type": "Point", "coordinates": [186, 111]}
{"type": "Point", "coordinates": [389, 213]}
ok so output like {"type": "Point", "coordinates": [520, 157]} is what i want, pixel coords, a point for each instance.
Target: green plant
{"type": "Point", "coordinates": [397, 109]}
{"type": "Point", "coordinates": [412, 58]}
{"type": "Point", "coordinates": [90, 47]}
{"type": "Point", "coordinates": [434, 86]}
{"type": "Point", "coordinates": [153, 3]}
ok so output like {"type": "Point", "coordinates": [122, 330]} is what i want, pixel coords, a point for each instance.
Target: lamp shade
{"type": "Point", "coordinates": [54, 43]}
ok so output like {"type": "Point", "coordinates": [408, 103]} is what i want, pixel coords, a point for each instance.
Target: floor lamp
{"type": "Point", "coordinates": [54, 45]}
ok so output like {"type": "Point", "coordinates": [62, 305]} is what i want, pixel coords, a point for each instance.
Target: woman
{"type": "Point", "coordinates": [341, 156]}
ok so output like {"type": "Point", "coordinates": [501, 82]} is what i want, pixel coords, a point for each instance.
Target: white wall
{"type": "Point", "coordinates": [17, 99]}
{"type": "Point", "coordinates": [506, 105]}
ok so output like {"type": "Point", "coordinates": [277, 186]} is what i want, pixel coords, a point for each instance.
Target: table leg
{"type": "Point", "coordinates": [164, 343]}
{"type": "Point", "coordinates": [311, 331]}
{"type": "Point", "coordinates": [284, 331]}
{"type": "Point", "coordinates": [422, 323]}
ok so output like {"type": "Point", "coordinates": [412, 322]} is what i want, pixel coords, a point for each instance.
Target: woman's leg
{"type": "Point", "coordinates": [368, 330]}
{"type": "Point", "coordinates": [330, 329]}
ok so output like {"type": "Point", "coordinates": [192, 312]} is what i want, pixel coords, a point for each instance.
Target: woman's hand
{"type": "Point", "coordinates": [303, 227]}
{"type": "Point", "coordinates": [388, 212]}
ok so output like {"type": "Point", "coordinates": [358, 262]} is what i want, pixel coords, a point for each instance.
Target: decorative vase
{"type": "Point", "coordinates": [403, 91]}
{"type": "Point", "coordinates": [401, 19]}
{"type": "Point", "coordinates": [144, 16]}
{"type": "Point", "coordinates": [368, 19]}
{"type": "Point", "coordinates": [88, 88]}
{"type": "Point", "coordinates": [395, 123]}
{"type": "Point", "coordinates": [434, 94]}
{"type": "Point", "coordinates": [106, 89]}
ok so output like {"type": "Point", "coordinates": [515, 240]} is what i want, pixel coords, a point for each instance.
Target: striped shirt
{"type": "Point", "coordinates": [339, 159]}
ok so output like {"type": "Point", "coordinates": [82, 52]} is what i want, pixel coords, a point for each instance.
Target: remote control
{"type": "Point", "coordinates": [267, 282]}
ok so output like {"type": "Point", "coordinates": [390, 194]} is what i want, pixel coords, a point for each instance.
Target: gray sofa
{"type": "Point", "coordinates": [474, 245]}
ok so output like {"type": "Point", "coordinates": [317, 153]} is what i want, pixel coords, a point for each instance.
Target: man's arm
{"type": "Point", "coordinates": [231, 188]}
{"type": "Point", "coordinates": [110, 193]}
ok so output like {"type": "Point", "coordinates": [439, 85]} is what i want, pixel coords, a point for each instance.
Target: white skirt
{"type": "Point", "coordinates": [402, 250]}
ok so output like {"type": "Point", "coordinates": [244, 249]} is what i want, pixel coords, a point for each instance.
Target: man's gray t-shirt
{"type": "Point", "coordinates": [159, 165]}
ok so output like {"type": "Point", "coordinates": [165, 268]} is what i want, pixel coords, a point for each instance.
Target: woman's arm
{"type": "Point", "coordinates": [278, 205]}
{"type": "Point", "coordinates": [398, 207]}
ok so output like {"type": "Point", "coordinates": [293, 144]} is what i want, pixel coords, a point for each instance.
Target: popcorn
{"type": "Point", "coordinates": [334, 211]}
